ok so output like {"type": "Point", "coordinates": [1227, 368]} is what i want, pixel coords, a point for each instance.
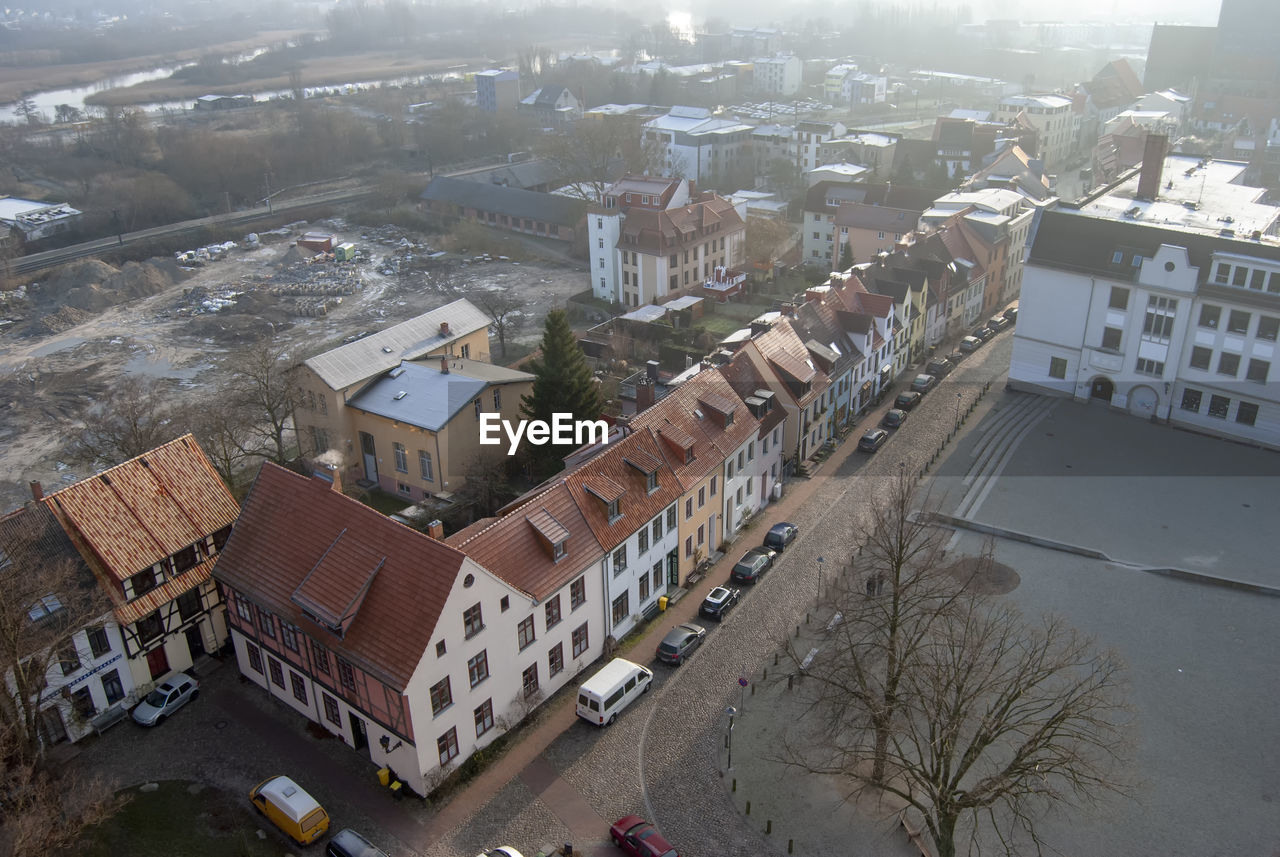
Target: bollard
{"type": "Point", "coordinates": [748, 807]}
{"type": "Point", "coordinates": [735, 784]}
{"type": "Point", "coordinates": [789, 679]}
{"type": "Point", "coordinates": [806, 617]}
{"type": "Point", "coordinates": [791, 843]}
{"type": "Point", "coordinates": [775, 659]}
{"type": "Point", "coordinates": [768, 826]}
{"type": "Point", "coordinates": [765, 677]}
{"type": "Point", "coordinates": [753, 688]}
{"type": "Point", "coordinates": [797, 630]}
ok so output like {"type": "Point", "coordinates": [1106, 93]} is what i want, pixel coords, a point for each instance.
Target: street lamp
{"type": "Point", "coordinates": [732, 712]}
{"type": "Point", "coordinates": [957, 412]}
{"type": "Point", "coordinates": [820, 563]}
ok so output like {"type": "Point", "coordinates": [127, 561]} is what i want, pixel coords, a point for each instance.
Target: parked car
{"type": "Point", "coordinates": [291, 809]}
{"type": "Point", "coordinates": [680, 643]}
{"type": "Point", "coordinates": [939, 367]}
{"type": "Point", "coordinates": [638, 838]}
{"type": "Point", "coordinates": [923, 383]}
{"type": "Point", "coordinates": [1011, 314]}
{"type": "Point", "coordinates": [894, 418]}
{"type": "Point", "coordinates": [997, 323]}
{"type": "Point", "coordinates": [719, 601]}
{"type": "Point", "coordinates": [780, 535]}
{"type": "Point", "coordinates": [753, 565]}
{"type": "Point", "coordinates": [969, 344]}
{"type": "Point", "coordinates": [348, 843]}
{"type": "Point", "coordinates": [872, 440]}
{"type": "Point", "coordinates": [984, 333]}
{"type": "Point", "coordinates": [501, 851]}
{"type": "Point", "coordinates": [906, 401]}
{"type": "Point", "coordinates": [167, 697]}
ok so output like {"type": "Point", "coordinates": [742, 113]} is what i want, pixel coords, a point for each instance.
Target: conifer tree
{"type": "Point", "coordinates": [846, 256]}
{"type": "Point", "coordinates": [562, 384]}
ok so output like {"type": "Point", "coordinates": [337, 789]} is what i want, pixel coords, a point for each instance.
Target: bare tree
{"type": "Point", "coordinates": [125, 419]}
{"type": "Point", "coordinates": [505, 310]}
{"type": "Point", "coordinates": [952, 704]}
{"type": "Point", "coordinates": [47, 810]}
{"type": "Point", "coordinates": [263, 390]}
{"type": "Point", "coordinates": [593, 154]}
{"type": "Point", "coordinates": [227, 435]}
{"type": "Point", "coordinates": [766, 239]}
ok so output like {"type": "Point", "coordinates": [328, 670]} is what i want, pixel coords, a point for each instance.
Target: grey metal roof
{"type": "Point", "coordinates": [423, 396]}
{"type": "Point", "coordinates": [360, 360]}
{"type": "Point", "coordinates": [547, 207]}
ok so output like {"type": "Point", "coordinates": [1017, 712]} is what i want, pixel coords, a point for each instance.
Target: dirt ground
{"type": "Point", "coordinates": [53, 355]}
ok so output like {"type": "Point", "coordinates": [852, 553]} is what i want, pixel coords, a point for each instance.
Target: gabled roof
{"type": "Point", "coordinates": [660, 232]}
{"type": "Point", "coordinates": [785, 353]}
{"type": "Point", "coordinates": [420, 394]}
{"type": "Point", "coordinates": [32, 540]}
{"type": "Point", "coordinates": [516, 202]}
{"type": "Point", "coordinates": [518, 547]}
{"type": "Point", "coordinates": [637, 507]}
{"type": "Point", "coordinates": [879, 217]}
{"type": "Point", "coordinates": [374, 354]}
{"type": "Point", "coordinates": [147, 509]}
{"type": "Point", "coordinates": [291, 524]}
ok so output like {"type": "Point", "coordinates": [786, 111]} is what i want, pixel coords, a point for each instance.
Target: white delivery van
{"type": "Point", "coordinates": [609, 691]}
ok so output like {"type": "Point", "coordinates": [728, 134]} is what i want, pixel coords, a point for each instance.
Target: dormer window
{"type": "Point", "coordinates": [559, 551]}
{"type": "Point", "coordinates": [688, 455]}
{"type": "Point", "coordinates": [614, 510]}
{"type": "Point", "coordinates": [651, 482]}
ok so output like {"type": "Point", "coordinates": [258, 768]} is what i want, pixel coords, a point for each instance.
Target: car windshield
{"type": "Point", "coordinates": [668, 648]}
{"type": "Point", "coordinates": [157, 698]}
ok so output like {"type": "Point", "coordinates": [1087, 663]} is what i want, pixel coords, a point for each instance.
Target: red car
{"type": "Point", "coordinates": [639, 838]}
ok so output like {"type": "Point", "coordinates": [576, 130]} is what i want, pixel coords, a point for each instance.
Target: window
{"type": "Point", "coordinates": [441, 696]}
{"type": "Point", "coordinates": [1247, 413]}
{"type": "Point", "coordinates": [331, 710]}
{"type": "Point", "coordinates": [657, 529]}
{"type": "Point", "coordinates": [642, 541]}
{"type": "Point", "coordinates": [555, 660]}
{"type": "Point", "coordinates": [1209, 315]}
{"type": "Point", "coordinates": [1119, 298]}
{"type": "Point", "coordinates": [1218, 406]}
{"type": "Point", "coordinates": [82, 703]}
{"type": "Point", "coordinates": [1228, 364]}
{"type": "Point", "coordinates": [402, 460]}
{"type": "Point", "coordinates": [577, 593]}
{"type": "Point", "coordinates": [185, 559]}
{"type": "Point", "coordinates": [476, 405]}
{"type": "Point", "coordinates": [702, 497]}
{"type": "Point", "coordinates": [99, 644]}
{"type": "Point", "coordinates": [254, 656]}
{"type": "Point", "coordinates": [346, 675]}
{"type": "Point", "coordinates": [1057, 367]}
{"type": "Point", "coordinates": [688, 508]}
{"type": "Point", "coordinates": [525, 634]}
{"type": "Point", "coordinates": [1191, 400]}
{"type": "Point", "coordinates": [472, 621]}
{"type": "Point", "coordinates": [701, 533]}
{"type": "Point", "coordinates": [644, 588]}
{"type": "Point", "coordinates": [505, 603]}
{"type": "Point", "coordinates": [621, 608]}
{"type": "Point", "coordinates": [671, 518]}
{"type": "Point", "coordinates": [298, 686]}
{"type": "Point", "coordinates": [657, 575]}
{"type": "Point", "coordinates": [68, 659]}
{"type": "Point", "coordinates": [553, 612]}
{"type": "Point", "coordinates": [1268, 326]}
{"type": "Point", "coordinates": [1158, 324]}
{"type": "Point", "coordinates": [1200, 357]}
{"type": "Point", "coordinates": [484, 717]}
{"type": "Point", "coordinates": [688, 546]}
{"type": "Point", "coordinates": [112, 687]}
{"type": "Point", "coordinates": [1238, 322]}
{"type": "Point", "coordinates": [266, 622]}
{"type": "Point", "coordinates": [1257, 371]}
{"type": "Point", "coordinates": [529, 681]}
{"type": "Point", "coordinates": [150, 627]}
{"type": "Point", "coordinates": [1149, 367]}
{"type": "Point", "coordinates": [580, 640]}
{"type": "Point", "coordinates": [729, 469]}
{"type": "Point", "coordinates": [189, 605]}
{"type": "Point", "coordinates": [558, 551]}
{"type": "Point", "coordinates": [244, 610]}
{"type": "Point", "coordinates": [651, 482]}
{"type": "Point", "coordinates": [614, 510]}
{"type": "Point", "coordinates": [1222, 273]}
{"type": "Point", "coordinates": [320, 657]}
{"type": "Point", "coordinates": [1238, 275]}
{"type": "Point", "coordinates": [478, 668]}
{"type": "Point", "coordinates": [277, 672]}
{"type": "Point", "coordinates": [1255, 281]}
{"type": "Point", "coordinates": [143, 582]}
{"type": "Point", "coordinates": [447, 747]}
{"type": "Point", "coordinates": [620, 560]}
{"type": "Point", "coordinates": [1111, 338]}
{"type": "Point", "coordinates": [424, 465]}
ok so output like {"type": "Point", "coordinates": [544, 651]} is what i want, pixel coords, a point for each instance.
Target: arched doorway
{"type": "Point", "coordinates": [1142, 401]}
{"type": "Point", "coordinates": [1102, 388]}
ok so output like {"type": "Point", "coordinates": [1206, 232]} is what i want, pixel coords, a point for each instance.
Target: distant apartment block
{"type": "Point", "coordinates": [779, 74]}
{"type": "Point", "coordinates": [497, 90]}
{"type": "Point", "coordinates": [697, 146]}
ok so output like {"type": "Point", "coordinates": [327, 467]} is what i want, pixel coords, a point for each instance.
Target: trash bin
{"type": "Point", "coordinates": [662, 602]}
{"type": "Point", "coordinates": [384, 776]}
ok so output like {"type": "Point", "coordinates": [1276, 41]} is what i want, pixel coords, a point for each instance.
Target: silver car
{"type": "Point", "coordinates": [167, 697]}
{"type": "Point", "coordinates": [680, 642]}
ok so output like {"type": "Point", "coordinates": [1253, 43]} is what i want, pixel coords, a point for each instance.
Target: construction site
{"type": "Point", "coordinates": [306, 287]}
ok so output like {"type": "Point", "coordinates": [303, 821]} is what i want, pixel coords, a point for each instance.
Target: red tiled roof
{"type": "Point", "coordinates": [132, 611]}
{"type": "Point", "coordinates": [146, 509]}
{"type": "Point", "coordinates": [638, 506]}
{"type": "Point", "coordinates": [661, 232]}
{"type": "Point", "coordinates": [288, 524]}
{"type": "Point", "coordinates": [644, 461]}
{"type": "Point", "coordinates": [603, 487]}
{"type": "Point", "coordinates": [517, 546]}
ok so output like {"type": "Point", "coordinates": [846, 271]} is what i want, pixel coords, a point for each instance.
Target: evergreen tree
{"type": "Point", "coordinates": [562, 384]}
{"type": "Point", "coordinates": [846, 256]}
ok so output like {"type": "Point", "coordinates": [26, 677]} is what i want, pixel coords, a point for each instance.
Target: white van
{"type": "Point", "coordinates": [609, 691]}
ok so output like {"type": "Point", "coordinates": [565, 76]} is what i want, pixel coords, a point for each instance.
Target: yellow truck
{"type": "Point", "coordinates": [291, 809]}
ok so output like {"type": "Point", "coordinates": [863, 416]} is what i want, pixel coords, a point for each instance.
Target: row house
{"type": "Point", "coordinates": [872, 325]}
{"type": "Point", "coordinates": [419, 424]}
{"type": "Point", "coordinates": [957, 282]}
{"type": "Point", "coordinates": [402, 646]}
{"type": "Point", "coordinates": [998, 224]}
{"type": "Point", "coordinates": [324, 382]}
{"type": "Point", "coordinates": [85, 679]}
{"type": "Point", "coordinates": [909, 290]}
{"type": "Point", "coordinates": [1053, 117]}
{"type": "Point", "coordinates": [151, 530]}
{"type": "Point", "coordinates": [664, 253]}
{"type": "Point", "coordinates": [707, 436]}
{"type": "Point", "coordinates": [868, 218]}
{"type": "Point", "coordinates": [964, 143]}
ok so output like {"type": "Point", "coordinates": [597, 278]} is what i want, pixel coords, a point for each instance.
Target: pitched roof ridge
{"type": "Point", "coordinates": [499, 519]}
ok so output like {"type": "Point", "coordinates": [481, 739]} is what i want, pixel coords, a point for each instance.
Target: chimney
{"type": "Point", "coordinates": [644, 395]}
{"type": "Point", "coordinates": [328, 474]}
{"type": "Point", "coordinates": [651, 370]}
{"type": "Point", "coordinates": [1152, 166]}
{"type": "Point", "coordinates": [37, 490]}
{"type": "Point", "coordinates": [444, 328]}
{"type": "Point", "coordinates": [444, 365]}
{"type": "Point", "coordinates": [435, 529]}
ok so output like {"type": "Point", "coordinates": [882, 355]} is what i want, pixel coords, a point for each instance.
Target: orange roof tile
{"type": "Point", "coordinates": [638, 506]}
{"type": "Point", "coordinates": [146, 509]}
{"type": "Point", "coordinates": [288, 525]}
{"type": "Point", "coordinates": [603, 487]}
